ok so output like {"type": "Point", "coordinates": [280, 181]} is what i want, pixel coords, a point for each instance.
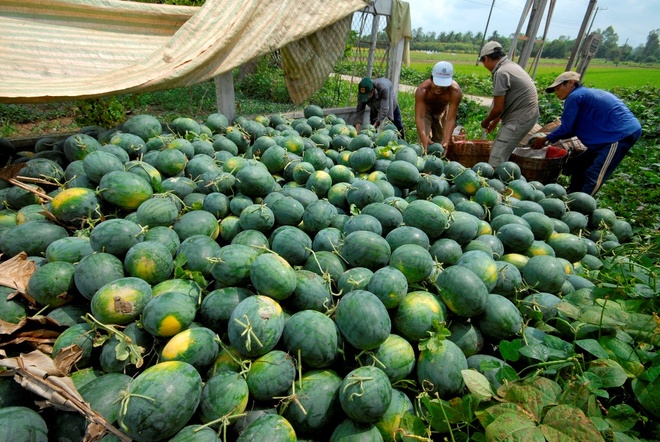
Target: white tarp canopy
{"type": "Point", "coordinates": [55, 50]}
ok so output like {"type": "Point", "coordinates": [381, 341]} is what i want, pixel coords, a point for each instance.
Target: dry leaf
{"type": "Point", "coordinates": [38, 373]}
{"type": "Point", "coordinates": [16, 272]}
{"type": "Point", "coordinates": [40, 332]}
{"type": "Point", "coordinates": [67, 358]}
{"type": "Point", "coordinates": [7, 328]}
{"type": "Point", "coordinates": [11, 171]}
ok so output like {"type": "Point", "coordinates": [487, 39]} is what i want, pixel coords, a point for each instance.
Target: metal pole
{"type": "Point", "coordinates": [483, 39]}
{"type": "Point", "coordinates": [578, 40]}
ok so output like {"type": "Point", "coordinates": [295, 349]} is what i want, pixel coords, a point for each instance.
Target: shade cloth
{"type": "Point", "coordinates": [56, 50]}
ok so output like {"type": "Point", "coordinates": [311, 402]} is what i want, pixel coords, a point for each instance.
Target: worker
{"type": "Point", "coordinates": [515, 102]}
{"type": "Point", "coordinates": [436, 105]}
{"type": "Point", "coordinates": [601, 121]}
{"type": "Point", "coordinates": [383, 105]}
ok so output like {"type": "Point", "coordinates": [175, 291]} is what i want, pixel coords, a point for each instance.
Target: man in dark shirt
{"type": "Point", "coordinates": [379, 95]}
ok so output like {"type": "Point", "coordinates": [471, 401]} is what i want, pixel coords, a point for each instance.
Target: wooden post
{"type": "Point", "coordinates": [532, 29]}
{"type": "Point", "coordinates": [224, 95]}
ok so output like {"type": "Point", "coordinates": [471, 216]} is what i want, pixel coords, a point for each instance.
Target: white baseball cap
{"type": "Point", "coordinates": [443, 73]}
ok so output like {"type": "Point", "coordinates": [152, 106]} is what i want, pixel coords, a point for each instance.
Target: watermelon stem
{"type": "Point", "coordinates": [325, 275]}
{"type": "Point", "coordinates": [123, 409]}
{"type": "Point", "coordinates": [243, 364]}
{"type": "Point", "coordinates": [124, 347]}
{"type": "Point", "coordinates": [248, 332]}
{"type": "Point", "coordinates": [356, 380]}
{"type": "Point", "coordinates": [286, 400]}
{"type": "Point", "coordinates": [376, 361]}
{"type": "Point", "coordinates": [223, 420]}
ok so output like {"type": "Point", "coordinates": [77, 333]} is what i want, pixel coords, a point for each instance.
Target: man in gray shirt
{"type": "Point", "coordinates": [383, 105]}
{"type": "Point", "coordinates": [515, 102]}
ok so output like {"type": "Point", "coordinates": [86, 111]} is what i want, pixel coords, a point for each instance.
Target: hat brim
{"type": "Point", "coordinates": [550, 89]}
{"type": "Point", "coordinates": [442, 81]}
{"type": "Point", "coordinates": [363, 98]}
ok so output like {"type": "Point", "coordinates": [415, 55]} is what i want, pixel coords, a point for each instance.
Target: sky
{"type": "Point", "coordinates": [632, 20]}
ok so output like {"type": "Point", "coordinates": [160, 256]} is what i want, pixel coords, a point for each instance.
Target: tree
{"type": "Point", "coordinates": [609, 45]}
{"type": "Point", "coordinates": [652, 47]}
{"type": "Point", "coordinates": [559, 48]}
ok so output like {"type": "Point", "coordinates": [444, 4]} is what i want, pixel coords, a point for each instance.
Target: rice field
{"type": "Point", "coordinates": [600, 73]}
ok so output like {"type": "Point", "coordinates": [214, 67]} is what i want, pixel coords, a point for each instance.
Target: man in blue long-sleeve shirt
{"type": "Point", "coordinates": [601, 121]}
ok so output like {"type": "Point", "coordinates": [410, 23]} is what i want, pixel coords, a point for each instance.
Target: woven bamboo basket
{"type": "Point", "coordinates": [544, 170]}
{"type": "Point", "coordinates": [469, 152]}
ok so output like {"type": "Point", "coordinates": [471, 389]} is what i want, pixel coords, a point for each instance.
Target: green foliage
{"type": "Point", "coordinates": [266, 82]}
{"type": "Point", "coordinates": [645, 104]}
{"type": "Point", "coordinates": [103, 112]}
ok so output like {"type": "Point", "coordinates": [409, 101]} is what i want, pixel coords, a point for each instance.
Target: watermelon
{"type": "Point", "coordinates": [271, 375]}
{"type": "Point", "coordinates": [121, 301]}
{"type": "Point", "coordinates": [395, 356]}
{"type": "Point", "coordinates": [197, 346]}
{"type": "Point", "coordinates": [52, 284]}
{"type": "Point", "coordinates": [417, 313]}
{"type": "Point", "coordinates": [312, 337]}
{"type": "Point", "coordinates": [317, 402]}
{"type": "Point", "coordinates": [168, 314]}
{"type": "Point", "coordinates": [256, 325]}
{"type": "Point", "coordinates": [124, 190]}
{"type": "Point", "coordinates": [463, 292]}
{"type": "Point", "coordinates": [439, 367]}
{"type": "Point", "coordinates": [224, 394]}
{"type": "Point", "coordinates": [160, 401]}
{"type": "Point", "coordinates": [271, 427]}
{"type": "Point", "coordinates": [352, 308]}
{"type": "Point", "coordinates": [32, 237]}
{"type": "Point", "coordinates": [18, 423]}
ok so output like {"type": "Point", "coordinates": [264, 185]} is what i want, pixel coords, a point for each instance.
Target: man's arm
{"type": "Point", "coordinates": [420, 112]}
{"type": "Point", "coordinates": [568, 119]}
{"type": "Point", "coordinates": [490, 122]}
{"type": "Point", "coordinates": [359, 110]}
{"type": "Point", "coordinates": [450, 122]}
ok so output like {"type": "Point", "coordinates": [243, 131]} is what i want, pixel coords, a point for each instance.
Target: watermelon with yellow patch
{"type": "Point", "coordinates": [74, 205]}
{"type": "Point", "coordinates": [121, 301]}
{"type": "Point", "coordinates": [150, 261]}
{"type": "Point", "coordinates": [197, 346]}
{"type": "Point", "coordinates": [168, 314]}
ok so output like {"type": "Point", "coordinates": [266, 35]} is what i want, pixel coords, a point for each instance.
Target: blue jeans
{"type": "Point", "coordinates": [591, 168]}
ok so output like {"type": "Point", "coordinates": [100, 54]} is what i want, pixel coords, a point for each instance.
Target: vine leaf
{"type": "Point", "coordinates": [478, 384]}
{"type": "Point", "coordinates": [569, 423]}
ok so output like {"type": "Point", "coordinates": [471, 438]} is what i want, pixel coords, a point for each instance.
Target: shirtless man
{"type": "Point", "coordinates": [436, 106]}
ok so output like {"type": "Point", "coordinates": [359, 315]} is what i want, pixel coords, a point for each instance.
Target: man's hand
{"type": "Point", "coordinates": [538, 142]}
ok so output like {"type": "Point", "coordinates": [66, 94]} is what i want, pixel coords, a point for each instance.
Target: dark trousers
{"type": "Point", "coordinates": [398, 122]}
{"type": "Point", "coordinates": [594, 166]}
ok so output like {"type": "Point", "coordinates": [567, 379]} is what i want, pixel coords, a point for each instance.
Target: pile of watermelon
{"type": "Point", "coordinates": [273, 279]}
